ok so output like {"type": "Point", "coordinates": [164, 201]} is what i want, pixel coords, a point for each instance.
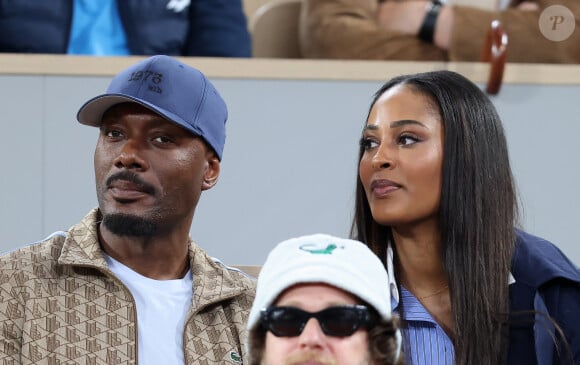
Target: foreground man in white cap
{"type": "Point", "coordinates": [127, 284]}
{"type": "Point", "coordinates": [323, 300]}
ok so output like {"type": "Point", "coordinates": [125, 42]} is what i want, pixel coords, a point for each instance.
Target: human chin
{"type": "Point", "coordinates": [387, 213]}
{"type": "Point", "coordinates": [129, 225]}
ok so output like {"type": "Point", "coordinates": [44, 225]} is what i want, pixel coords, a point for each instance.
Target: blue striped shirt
{"type": "Point", "coordinates": [424, 341]}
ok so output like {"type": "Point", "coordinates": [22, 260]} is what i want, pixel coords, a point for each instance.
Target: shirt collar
{"type": "Point", "coordinates": [392, 279]}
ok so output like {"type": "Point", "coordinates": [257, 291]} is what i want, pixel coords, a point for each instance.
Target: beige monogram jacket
{"type": "Point", "coordinates": [60, 304]}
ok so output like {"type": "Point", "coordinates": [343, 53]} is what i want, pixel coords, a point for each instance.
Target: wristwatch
{"type": "Point", "coordinates": [428, 27]}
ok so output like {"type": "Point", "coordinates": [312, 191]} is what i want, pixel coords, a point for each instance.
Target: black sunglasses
{"type": "Point", "coordinates": [340, 321]}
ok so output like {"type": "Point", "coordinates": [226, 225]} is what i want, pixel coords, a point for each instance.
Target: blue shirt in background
{"type": "Point", "coordinates": [96, 29]}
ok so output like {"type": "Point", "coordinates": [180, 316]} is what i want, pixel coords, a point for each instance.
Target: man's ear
{"type": "Point", "coordinates": [212, 172]}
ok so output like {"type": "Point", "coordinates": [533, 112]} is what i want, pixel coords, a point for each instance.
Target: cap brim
{"type": "Point", "coordinates": [91, 113]}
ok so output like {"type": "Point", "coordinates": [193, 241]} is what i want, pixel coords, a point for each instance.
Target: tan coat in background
{"type": "Point", "coordinates": [347, 29]}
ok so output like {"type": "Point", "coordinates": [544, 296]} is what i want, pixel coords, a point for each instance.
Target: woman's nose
{"type": "Point", "coordinates": [383, 158]}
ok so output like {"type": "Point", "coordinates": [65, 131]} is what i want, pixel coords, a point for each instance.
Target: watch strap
{"type": "Point", "coordinates": [428, 27]}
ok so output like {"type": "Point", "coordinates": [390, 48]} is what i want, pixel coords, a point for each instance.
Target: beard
{"type": "Point", "coordinates": [129, 225]}
{"type": "Point", "coordinates": [317, 357]}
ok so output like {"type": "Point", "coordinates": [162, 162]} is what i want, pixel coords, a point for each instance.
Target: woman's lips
{"type": "Point", "coordinates": [381, 188]}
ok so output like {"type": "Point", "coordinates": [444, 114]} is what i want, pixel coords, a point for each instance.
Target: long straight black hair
{"type": "Point", "coordinates": [477, 213]}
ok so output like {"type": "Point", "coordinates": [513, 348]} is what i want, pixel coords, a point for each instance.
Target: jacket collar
{"type": "Point", "coordinates": [81, 245]}
{"type": "Point", "coordinates": [212, 281]}
{"type": "Point", "coordinates": [537, 261]}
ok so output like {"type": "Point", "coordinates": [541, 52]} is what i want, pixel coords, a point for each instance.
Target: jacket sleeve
{"type": "Point", "coordinates": [218, 28]}
{"type": "Point", "coordinates": [525, 40]}
{"type": "Point", "coordinates": [562, 300]}
{"type": "Point", "coordinates": [28, 26]}
{"type": "Point", "coordinates": [347, 29]}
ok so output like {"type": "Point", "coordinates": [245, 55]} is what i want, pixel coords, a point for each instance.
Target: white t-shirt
{"type": "Point", "coordinates": [162, 307]}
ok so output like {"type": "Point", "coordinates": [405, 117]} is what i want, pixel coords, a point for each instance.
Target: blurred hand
{"type": "Point", "coordinates": [529, 6]}
{"type": "Point", "coordinates": [406, 17]}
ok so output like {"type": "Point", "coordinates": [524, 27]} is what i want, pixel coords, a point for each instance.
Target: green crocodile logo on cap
{"type": "Point", "coordinates": [312, 248]}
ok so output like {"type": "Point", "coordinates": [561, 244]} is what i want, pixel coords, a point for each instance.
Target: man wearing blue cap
{"type": "Point", "coordinates": [127, 284]}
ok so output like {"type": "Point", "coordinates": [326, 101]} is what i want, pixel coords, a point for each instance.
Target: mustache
{"type": "Point", "coordinates": [301, 357]}
{"type": "Point", "coordinates": [133, 178]}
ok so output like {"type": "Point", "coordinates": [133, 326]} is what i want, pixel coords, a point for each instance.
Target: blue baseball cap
{"type": "Point", "coordinates": [172, 89]}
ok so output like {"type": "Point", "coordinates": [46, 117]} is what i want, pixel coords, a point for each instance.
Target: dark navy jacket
{"type": "Point", "coordinates": [547, 282]}
{"type": "Point", "coordinates": [206, 28]}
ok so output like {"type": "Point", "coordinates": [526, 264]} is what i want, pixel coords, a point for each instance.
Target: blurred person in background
{"type": "Point", "coordinates": [201, 28]}
{"type": "Point", "coordinates": [419, 30]}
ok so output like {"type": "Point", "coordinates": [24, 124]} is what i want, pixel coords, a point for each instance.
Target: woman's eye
{"type": "Point", "coordinates": [368, 143]}
{"type": "Point", "coordinates": [406, 140]}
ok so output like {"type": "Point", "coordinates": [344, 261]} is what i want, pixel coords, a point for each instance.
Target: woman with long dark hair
{"type": "Point", "coordinates": [436, 201]}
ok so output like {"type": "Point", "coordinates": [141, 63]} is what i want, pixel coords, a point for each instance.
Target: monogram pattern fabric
{"type": "Point", "coordinates": [60, 304]}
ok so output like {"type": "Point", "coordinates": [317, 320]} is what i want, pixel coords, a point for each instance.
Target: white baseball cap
{"type": "Point", "coordinates": [343, 263]}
